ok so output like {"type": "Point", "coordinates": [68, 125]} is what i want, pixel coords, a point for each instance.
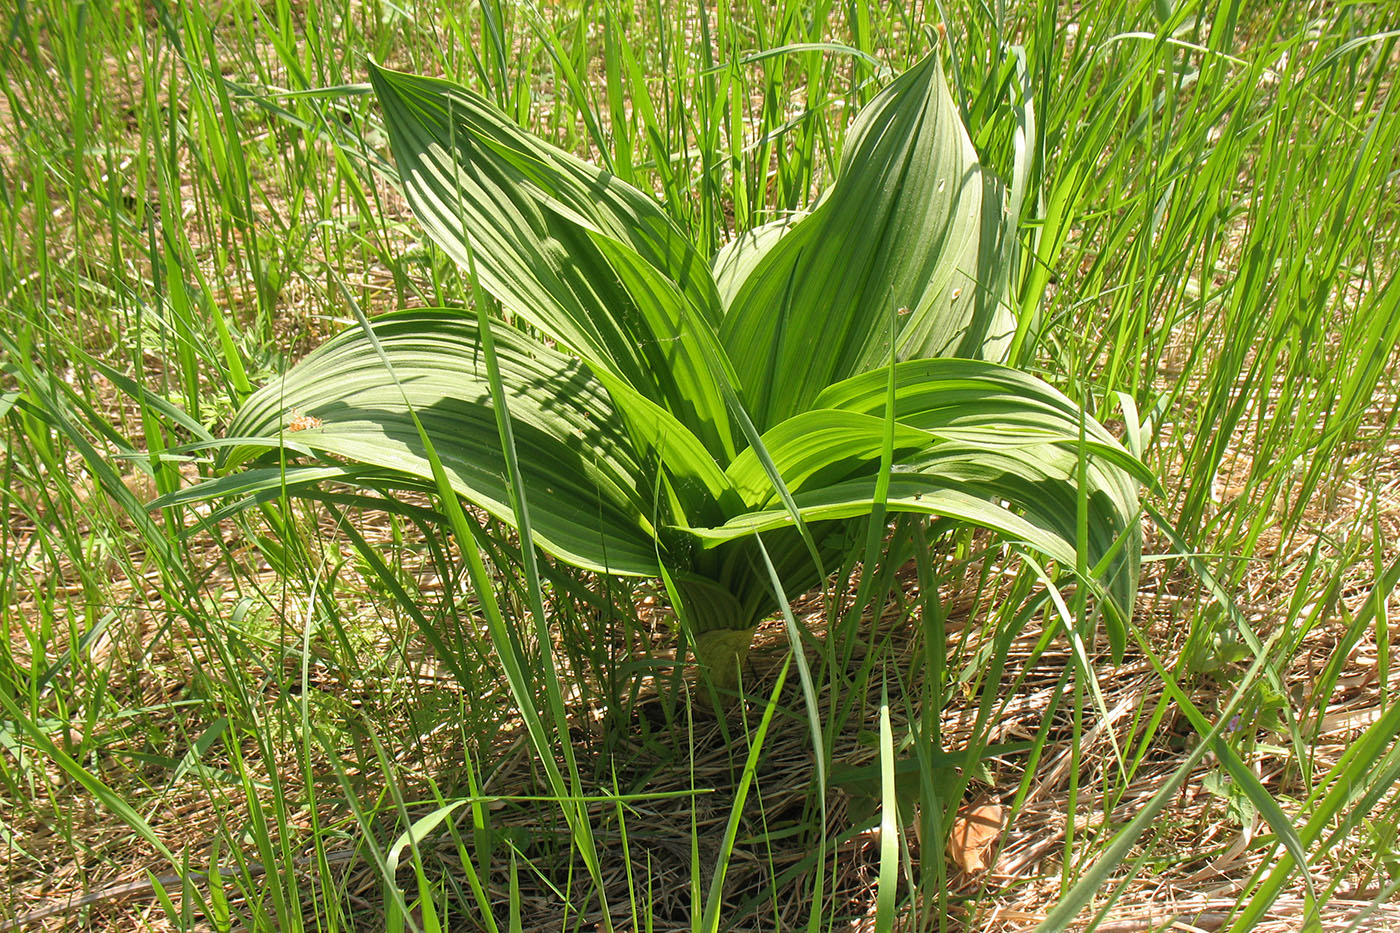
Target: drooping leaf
{"type": "Point", "coordinates": [984, 409]}
{"type": "Point", "coordinates": [983, 403]}
{"type": "Point", "coordinates": [946, 497]}
{"type": "Point", "coordinates": [1025, 494]}
{"type": "Point", "coordinates": [819, 448]}
{"type": "Point", "coordinates": [592, 495]}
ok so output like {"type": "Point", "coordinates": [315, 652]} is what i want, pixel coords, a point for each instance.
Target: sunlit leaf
{"type": "Point", "coordinates": [673, 409]}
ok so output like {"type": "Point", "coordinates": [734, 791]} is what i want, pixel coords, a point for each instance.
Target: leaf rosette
{"type": "Point", "coordinates": [667, 410]}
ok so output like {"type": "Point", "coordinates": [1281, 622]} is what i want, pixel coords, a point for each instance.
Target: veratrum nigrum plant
{"type": "Point", "coordinates": [711, 418]}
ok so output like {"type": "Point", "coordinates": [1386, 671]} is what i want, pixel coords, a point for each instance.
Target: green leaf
{"type": "Point", "coordinates": [1003, 425]}
{"type": "Point", "coordinates": [547, 232]}
{"type": "Point", "coordinates": [1026, 494]}
{"type": "Point", "coordinates": [592, 493]}
{"type": "Point", "coordinates": [690, 361]}
{"type": "Point", "coordinates": [929, 495]}
{"type": "Point", "coordinates": [978, 402]}
{"type": "Point", "coordinates": [419, 831]}
{"type": "Point", "coordinates": [905, 227]}
{"type": "Point", "coordinates": [888, 879]}
{"type": "Point", "coordinates": [737, 258]}
{"type": "Point", "coordinates": [819, 448]}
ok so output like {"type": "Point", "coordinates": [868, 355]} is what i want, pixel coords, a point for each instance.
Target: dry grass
{"type": "Point", "coordinates": [1197, 858]}
{"type": "Point", "coordinates": [1200, 855]}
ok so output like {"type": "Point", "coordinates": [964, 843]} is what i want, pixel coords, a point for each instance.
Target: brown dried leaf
{"type": "Point", "coordinates": [975, 831]}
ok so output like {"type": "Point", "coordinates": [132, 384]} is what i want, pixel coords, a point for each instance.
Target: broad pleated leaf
{"type": "Point", "coordinates": [590, 495]}
{"type": "Point", "coordinates": [528, 212]}
{"type": "Point", "coordinates": [907, 228]}
{"type": "Point", "coordinates": [1026, 494]}
{"type": "Point", "coordinates": [819, 448]}
{"type": "Point", "coordinates": [737, 258]}
{"type": "Point", "coordinates": [985, 409]}
{"type": "Point", "coordinates": [987, 404]}
{"type": "Point", "coordinates": [704, 487]}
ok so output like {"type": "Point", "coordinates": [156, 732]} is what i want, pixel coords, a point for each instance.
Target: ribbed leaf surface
{"type": "Point", "coordinates": [737, 258]}
{"type": "Point", "coordinates": [1026, 431]}
{"type": "Point", "coordinates": [1027, 494]}
{"type": "Point", "coordinates": [528, 214]}
{"type": "Point", "coordinates": [983, 404]}
{"type": "Point", "coordinates": [908, 227]}
{"type": "Point", "coordinates": [590, 497]}
{"type": "Point", "coordinates": [819, 448]}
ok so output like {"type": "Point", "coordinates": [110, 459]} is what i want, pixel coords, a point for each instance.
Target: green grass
{"type": "Point", "coordinates": [296, 716]}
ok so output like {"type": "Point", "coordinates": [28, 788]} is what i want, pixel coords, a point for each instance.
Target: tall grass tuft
{"type": "Point", "coordinates": [322, 712]}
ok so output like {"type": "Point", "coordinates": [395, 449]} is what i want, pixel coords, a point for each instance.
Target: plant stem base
{"type": "Point", "coordinates": [721, 654]}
